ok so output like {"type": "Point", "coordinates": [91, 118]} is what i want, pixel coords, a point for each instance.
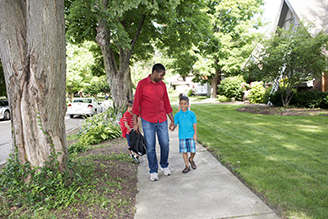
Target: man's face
{"type": "Point", "coordinates": [183, 105]}
{"type": "Point", "coordinates": [159, 75]}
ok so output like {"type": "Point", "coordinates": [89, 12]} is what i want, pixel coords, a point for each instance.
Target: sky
{"type": "Point", "coordinates": [270, 9]}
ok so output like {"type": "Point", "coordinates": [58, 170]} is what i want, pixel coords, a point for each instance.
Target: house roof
{"type": "Point", "coordinates": [315, 11]}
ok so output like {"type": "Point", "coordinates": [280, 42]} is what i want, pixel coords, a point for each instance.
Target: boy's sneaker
{"type": "Point", "coordinates": [135, 158]}
{"type": "Point", "coordinates": [166, 171]}
{"type": "Point", "coordinates": [154, 176]}
{"type": "Point", "coordinates": [186, 169]}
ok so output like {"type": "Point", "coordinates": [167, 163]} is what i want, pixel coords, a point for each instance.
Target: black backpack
{"type": "Point", "coordinates": [137, 143]}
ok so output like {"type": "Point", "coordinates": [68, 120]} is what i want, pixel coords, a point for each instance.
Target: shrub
{"type": "Point", "coordinates": [266, 95]}
{"type": "Point", "coordinates": [275, 98]}
{"type": "Point", "coordinates": [222, 98]}
{"type": "Point", "coordinates": [312, 99]}
{"type": "Point", "coordinates": [232, 87]}
{"type": "Point", "coordinates": [190, 93]}
{"type": "Point", "coordinates": [101, 127]}
{"type": "Point", "coordinates": [256, 92]}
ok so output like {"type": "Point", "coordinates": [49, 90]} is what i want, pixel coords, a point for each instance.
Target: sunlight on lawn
{"type": "Point", "coordinates": [283, 157]}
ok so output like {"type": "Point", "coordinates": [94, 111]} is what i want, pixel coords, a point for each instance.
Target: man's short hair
{"type": "Point", "coordinates": [129, 103]}
{"type": "Point", "coordinates": [184, 98]}
{"type": "Point", "coordinates": [158, 67]}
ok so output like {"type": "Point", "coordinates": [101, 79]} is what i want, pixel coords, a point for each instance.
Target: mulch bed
{"type": "Point", "coordinates": [282, 111]}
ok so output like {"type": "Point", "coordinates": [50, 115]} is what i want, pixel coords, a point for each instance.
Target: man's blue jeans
{"type": "Point", "coordinates": [150, 129]}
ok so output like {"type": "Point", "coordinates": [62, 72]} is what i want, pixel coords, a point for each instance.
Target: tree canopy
{"type": "Point", "coordinates": [290, 57]}
{"type": "Point", "coordinates": [229, 44]}
{"type": "Point", "coordinates": [131, 29]}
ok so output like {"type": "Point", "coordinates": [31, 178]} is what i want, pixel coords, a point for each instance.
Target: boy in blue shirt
{"type": "Point", "coordinates": [187, 122]}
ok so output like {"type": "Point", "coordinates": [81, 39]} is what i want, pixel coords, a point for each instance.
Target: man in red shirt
{"type": "Point", "coordinates": [151, 103]}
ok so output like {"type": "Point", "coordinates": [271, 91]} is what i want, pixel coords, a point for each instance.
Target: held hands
{"type": "Point", "coordinates": [172, 126]}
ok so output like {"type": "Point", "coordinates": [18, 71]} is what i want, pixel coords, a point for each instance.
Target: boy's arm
{"type": "Point", "coordinates": [127, 126]}
{"type": "Point", "coordinates": [195, 129]}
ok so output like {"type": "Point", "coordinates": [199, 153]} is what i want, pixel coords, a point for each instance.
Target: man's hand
{"type": "Point", "coordinates": [172, 126]}
{"type": "Point", "coordinates": [136, 128]}
{"type": "Point", "coordinates": [136, 124]}
{"type": "Point", "coordinates": [195, 137]}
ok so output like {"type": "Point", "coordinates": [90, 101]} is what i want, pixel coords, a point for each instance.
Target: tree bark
{"type": "Point", "coordinates": [32, 39]}
{"type": "Point", "coordinates": [215, 81]}
{"type": "Point", "coordinates": [117, 71]}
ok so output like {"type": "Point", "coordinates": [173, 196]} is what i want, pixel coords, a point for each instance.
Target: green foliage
{"type": "Point", "coordinates": [3, 91]}
{"type": "Point", "coordinates": [230, 42]}
{"type": "Point", "coordinates": [311, 99]}
{"type": "Point", "coordinates": [276, 99]}
{"type": "Point", "coordinates": [266, 95]}
{"type": "Point", "coordinates": [97, 85]}
{"type": "Point", "coordinates": [190, 93]}
{"type": "Point", "coordinates": [256, 92]}
{"type": "Point", "coordinates": [76, 148]}
{"type": "Point", "coordinates": [223, 98]}
{"type": "Point", "coordinates": [79, 61]}
{"type": "Point", "coordinates": [100, 127]}
{"type": "Point", "coordinates": [231, 87]}
{"type": "Point", "coordinates": [48, 187]}
{"type": "Point", "coordinates": [293, 55]}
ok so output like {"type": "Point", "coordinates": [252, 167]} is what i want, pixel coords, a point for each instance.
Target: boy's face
{"type": "Point", "coordinates": [130, 109]}
{"type": "Point", "coordinates": [184, 105]}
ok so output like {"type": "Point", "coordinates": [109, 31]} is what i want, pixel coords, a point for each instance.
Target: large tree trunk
{"type": "Point", "coordinates": [119, 78]}
{"type": "Point", "coordinates": [32, 45]}
{"type": "Point", "coordinates": [215, 80]}
{"type": "Point", "coordinates": [117, 71]}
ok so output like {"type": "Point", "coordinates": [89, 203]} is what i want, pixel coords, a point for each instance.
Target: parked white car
{"type": "Point", "coordinates": [84, 106]}
{"type": "Point", "coordinates": [4, 110]}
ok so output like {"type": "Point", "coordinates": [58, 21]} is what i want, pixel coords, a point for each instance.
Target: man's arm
{"type": "Point", "coordinates": [135, 123]}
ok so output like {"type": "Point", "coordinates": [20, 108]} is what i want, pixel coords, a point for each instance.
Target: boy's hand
{"type": "Point", "coordinates": [195, 137]}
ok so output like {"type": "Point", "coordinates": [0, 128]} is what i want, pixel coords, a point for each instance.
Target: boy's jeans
{"type": "Point", "coordinates": [150, 130]}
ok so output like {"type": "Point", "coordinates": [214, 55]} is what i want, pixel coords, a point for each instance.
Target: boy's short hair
{"type": "Point", "coordinates": [158, 67]}
{"type": "Point", "coordinates": [184, 98]}
{"type": "Point", "coordinates": [129, 103]}
{"type": "Point", "coordinates": [181, 95]}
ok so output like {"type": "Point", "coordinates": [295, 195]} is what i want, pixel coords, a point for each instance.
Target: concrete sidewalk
{"type": "Point", "coordinates": [210, 191]}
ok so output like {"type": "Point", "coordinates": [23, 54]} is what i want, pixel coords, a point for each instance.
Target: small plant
{"type": "Point", "coordinates": [191, 92]}
{"type": "Point", "coordinates": [256, 92]}
{"type": "Point", "coordinates": [101, 127]}
{"type": "Point", "coordinates": [223, 98]}
{"type": "Point", "coordinates": [48, 186]}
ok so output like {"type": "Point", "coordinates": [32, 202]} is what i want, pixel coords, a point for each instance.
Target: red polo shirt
{"type": "Point", "coordinates": [151, 101]}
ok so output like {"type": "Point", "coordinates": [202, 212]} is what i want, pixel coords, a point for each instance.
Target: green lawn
{"type": "Point", "coordinates": [285, 158]}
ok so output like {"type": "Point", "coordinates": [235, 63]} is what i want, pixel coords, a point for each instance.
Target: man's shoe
{"type": "Point", "coordinates": [135, 158]}
{"type": "Point", "coordinates": [166, 171]}
{"type": "Point", "coordinates": [154, 176]}
{"type": "Point", "coordinates": [186, 169]}
{"type": "Point", "coordinates": [192, 164]}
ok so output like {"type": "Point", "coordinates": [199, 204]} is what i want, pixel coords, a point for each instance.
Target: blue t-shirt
{"type": "Point", "coordinates": [186, 121]}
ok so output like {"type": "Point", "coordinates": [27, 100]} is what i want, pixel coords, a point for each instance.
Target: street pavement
{"type": "Point", "coordinates": [210, 191]}
{"type": "Point", "coordinates": [6, 141]}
